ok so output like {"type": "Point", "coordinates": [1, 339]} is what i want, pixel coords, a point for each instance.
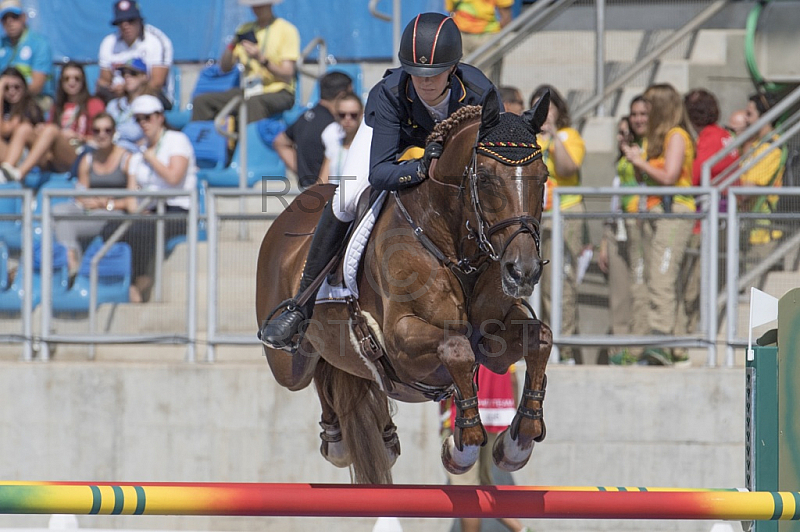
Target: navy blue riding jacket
{"type": "Point", "coordinates": [400, 120]}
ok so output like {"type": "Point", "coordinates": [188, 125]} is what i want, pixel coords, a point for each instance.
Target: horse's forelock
{"type": "Point", "coordinates": [453, 123]}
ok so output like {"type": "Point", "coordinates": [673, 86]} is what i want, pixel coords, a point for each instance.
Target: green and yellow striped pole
{"type": "Point", "coordinates": [333, 500]}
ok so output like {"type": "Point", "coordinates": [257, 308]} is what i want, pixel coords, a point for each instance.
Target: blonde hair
{"type": "Point", "coordinates": [666, 112]}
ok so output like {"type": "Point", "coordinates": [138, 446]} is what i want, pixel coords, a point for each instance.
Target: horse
{"type": "Point", "coordinates": [442, 290]}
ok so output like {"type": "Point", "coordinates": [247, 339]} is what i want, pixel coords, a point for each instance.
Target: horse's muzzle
{"type": "Point", "coordinates": [519, 277]}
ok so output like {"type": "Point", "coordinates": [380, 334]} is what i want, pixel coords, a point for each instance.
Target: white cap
{"type": "Point", "coordinates": [146, 105]}
{"type": "Point", "coordinates": [256, 3]}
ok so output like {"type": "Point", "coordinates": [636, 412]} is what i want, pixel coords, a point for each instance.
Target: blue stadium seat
{"type": "Point", "coordinates": [263, 163]}
{"type": "Point", "coordinates": [202, 224]}
{"type": "Point", "coordinates": [113, 280]}
{"type": "Point", "coordinates": [351, 69]}
{"type": "Point", "coordinates": [210, 148]}
{"type": "Point", "coordinates": [213, 79]}
{"type": "Point", "coordinates": [92, 72]}
{"type": "Point", "coordinates": [11, 230]}
{"type": "Point", "coordinates": [11, 299]}
{"type": "Point", "coordinates": [3, 266]}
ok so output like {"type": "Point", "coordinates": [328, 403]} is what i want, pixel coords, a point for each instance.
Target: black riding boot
{"type": "Point", "coordinates": [279, 332]}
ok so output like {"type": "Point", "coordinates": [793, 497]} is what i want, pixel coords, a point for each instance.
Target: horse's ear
{"type": "Point", "coordinates": [490, 112]}
{"type": "Point", "coordinates": [536, 117]}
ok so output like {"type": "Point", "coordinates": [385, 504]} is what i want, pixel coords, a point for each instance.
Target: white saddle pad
{"type": "Point", "coordinates": [352, 256]}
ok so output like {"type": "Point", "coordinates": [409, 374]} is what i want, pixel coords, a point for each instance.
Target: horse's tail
{"type": "Point", "coordinates": [363, 412]}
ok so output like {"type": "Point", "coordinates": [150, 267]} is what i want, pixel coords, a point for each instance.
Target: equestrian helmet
{"type": "Point", "coordinates": [430, 45]}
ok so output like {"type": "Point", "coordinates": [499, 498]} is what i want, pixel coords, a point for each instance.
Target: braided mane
{"type": "Point", "coordinates": [452, 123]}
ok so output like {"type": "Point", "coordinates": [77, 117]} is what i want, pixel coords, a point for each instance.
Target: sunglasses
{"type": "Point", "coordinates": [12, 16]}
{"type": "Point", "coordinates": [130, 73]}
{"type": "Point", "coordinates": [99, 130]}
{"type": "Point", "coordinates": [353, 116]}
{"type": "Point", "coordinates": [143, 118]}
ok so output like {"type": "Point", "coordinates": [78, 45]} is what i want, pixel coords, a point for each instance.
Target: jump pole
{"type": "Point", "coordinates": [421, 501]}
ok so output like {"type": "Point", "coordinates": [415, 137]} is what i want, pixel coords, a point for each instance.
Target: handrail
{"type": "Point", "coordinates": [536, 16]}
{"type": "Point", "coordinates": [693, 25]}
{"type": "Point", "coordinates": [394, 18]}
{"type": "Point", "coordinates": [768, 117]}
{"type": "Point", "coordinates": [323, 54]}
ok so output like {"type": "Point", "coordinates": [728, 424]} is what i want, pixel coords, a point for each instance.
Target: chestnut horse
{"type": "Point", "coordinates": [442, 290]}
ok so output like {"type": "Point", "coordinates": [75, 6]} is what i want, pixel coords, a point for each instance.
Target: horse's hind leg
{"type": "Point", "coordinates": [333, 448]}
{"type": "Point", "coordinates": [514, 446]}
{"type": "Point", "coordinates": [460, 450]}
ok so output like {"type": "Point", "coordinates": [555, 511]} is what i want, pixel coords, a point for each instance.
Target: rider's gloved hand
{"type": "Point", "coordinates": [432, 151]}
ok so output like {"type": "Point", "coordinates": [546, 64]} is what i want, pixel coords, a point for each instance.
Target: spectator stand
{"type": "Point", "coordinates": [93, 337]}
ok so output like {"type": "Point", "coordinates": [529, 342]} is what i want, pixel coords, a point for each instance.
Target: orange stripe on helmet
{"type": "Point", "coordinates": [414, 39]}
{"type": "Point", "coordinates": [436, 38]}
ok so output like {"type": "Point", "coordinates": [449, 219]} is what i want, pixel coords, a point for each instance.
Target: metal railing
{"type": "Point", "coordinates": [93, 337]}
{"type": "Point", "coordinates": [187, 310]}
{"type": "Point", "coordinates": [709, 218]}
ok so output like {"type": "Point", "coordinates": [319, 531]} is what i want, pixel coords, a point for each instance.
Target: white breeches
{"type": "Point", "coordinates": [355, 176]}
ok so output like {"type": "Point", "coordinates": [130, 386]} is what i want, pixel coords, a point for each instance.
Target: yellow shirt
{"type": "Point", "coordinates": [762, 174]}
{"type": "Point", "coordinates": [476, 16]}
{"type": "Point", "coordinates": [685, 177]}
{"type": "Point", "coordinates": [573, 143]}
{"type": "Point", "coordinates": [278, 42]}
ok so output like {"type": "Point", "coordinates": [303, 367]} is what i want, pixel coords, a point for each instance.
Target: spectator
{"type": "Point", "coordinates": [563, 150]}
{"type": "Point", "coordinates": [768, 172]}
{"type": "Point", "coordinates": [300, 146]}
{"type": "Point", "coordinates": [26, 50]}
{"type": "Point", "coordinates": [105, 167]}
{"type": "Point", "coordinates": [496, 403]}
{"type": "Point", "coordinates": [631, 249]}
{"type": "Point", "coordinates": [512, 100]}
{"type": "Point", "coordinates": [338, 136]}
{"type": "Point", "coordinates": [129, 135]}
{"type": "Point", "coordinates": [167, 162]}
{"type": "Point", "coordinates": [737, 122]}
{"type": "Point", "coordinates": [55, 145]}
{"type": "Point", "coordinates": [703, 113]}
{"type": "Point", "coordinates": [479, 20]}
{"type": "Point", "coordinates": [666, 161]}
{"type": "Point", "coordinates": [135, 39]}
{"type": "Point", "coordinates": [268, 48]}
{"type": "Point", "coordinates": [19, 107]}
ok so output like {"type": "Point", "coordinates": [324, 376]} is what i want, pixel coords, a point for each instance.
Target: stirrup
{"type": "Point", "coordinates": [287, 305]}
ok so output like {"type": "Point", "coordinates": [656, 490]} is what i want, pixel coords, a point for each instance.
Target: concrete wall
{"type": "Point", "coordinates": [230, 422]}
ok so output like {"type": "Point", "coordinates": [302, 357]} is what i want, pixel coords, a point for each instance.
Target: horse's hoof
{"type": "Point", "coordinates": [457, 462]}
{"type": "Point", "coordinates": [333, 449]}
{"type": "Point", "coordinates": [336, 453]}
{"type": "Point", "coordinates": [508, 455]}
{"type": "Point", "coordinates": [392, 442]}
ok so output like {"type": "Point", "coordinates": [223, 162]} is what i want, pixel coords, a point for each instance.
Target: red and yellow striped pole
{"type": "Point", "coordinates": [334, 500]}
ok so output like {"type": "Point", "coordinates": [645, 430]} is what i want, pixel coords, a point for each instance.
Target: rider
{"type": "Point", "coordinates": [401, 112]}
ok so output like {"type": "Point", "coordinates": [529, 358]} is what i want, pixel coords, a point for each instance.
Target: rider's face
{"type": "Point", "coordinates": [431, 89]}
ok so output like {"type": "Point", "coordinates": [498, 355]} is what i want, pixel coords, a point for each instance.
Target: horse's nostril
{"type": "Point", "coordinates": [513, 272]}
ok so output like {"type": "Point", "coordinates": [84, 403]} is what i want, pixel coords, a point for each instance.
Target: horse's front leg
{"type": "Point", "coordinates": [532, 340]}
{"type": "Point", "coordinates": [452, 350]}
{"type": "Point", "coordinates": [461, 449]}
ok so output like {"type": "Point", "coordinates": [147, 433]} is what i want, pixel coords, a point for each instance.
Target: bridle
{"type": "Point", "coordinates": [468, 268]}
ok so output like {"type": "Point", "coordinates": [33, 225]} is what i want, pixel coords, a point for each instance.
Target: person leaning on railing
{"type": "Point", "coordinates": [105, 167]}
{"type": "Point", "coordinates": [666, 161]}
{"type": "Point", "coordinates": [768, 172]}
{"type": "Point", "coordinates": [166, 162]}
{"type": "Point", "coordinates": [563, 151]}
